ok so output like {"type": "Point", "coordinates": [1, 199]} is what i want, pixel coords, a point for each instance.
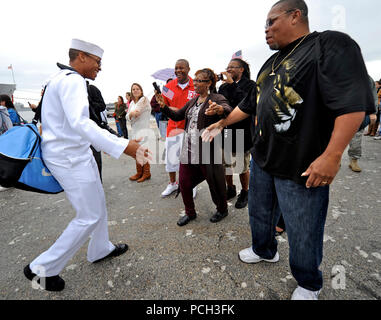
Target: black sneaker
{"type": "Point", "coordinates": [231, 192]}
{"type": "Point", "coordinates": [242, 199]}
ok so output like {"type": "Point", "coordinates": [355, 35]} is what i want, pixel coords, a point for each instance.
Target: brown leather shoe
{"type": "Point", "coordinates": [146, 173]}
{"type": "Point", "coordinates": [139, 172]}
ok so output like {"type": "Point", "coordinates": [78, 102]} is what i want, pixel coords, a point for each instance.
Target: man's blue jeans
{"type": "Point", "coordinates": [157, 118]}
{"type": "Point", "coordinates": [119, 129]}
{"type": "Point", "coordinates": [304, 212]}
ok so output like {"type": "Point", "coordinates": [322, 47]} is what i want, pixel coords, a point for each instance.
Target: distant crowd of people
{"type": "Point", "coordinates": [310, 100]}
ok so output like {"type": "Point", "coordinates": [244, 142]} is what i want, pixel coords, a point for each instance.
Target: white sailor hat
{"type": "Point", "coordinates": [86, 47]}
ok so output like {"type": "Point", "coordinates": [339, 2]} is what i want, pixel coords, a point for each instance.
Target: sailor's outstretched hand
{"type": "Point", "coordinates": [141, 153]}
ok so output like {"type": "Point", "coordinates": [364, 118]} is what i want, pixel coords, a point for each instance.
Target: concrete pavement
{"type": "Point", "coordinates": [199, 260]}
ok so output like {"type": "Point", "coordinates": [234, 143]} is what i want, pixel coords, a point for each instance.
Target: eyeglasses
{"type": "Point", "coordinates": [99, 62]}
{"type": "Point", "coordinates": [271, 21]}
{"type": "Point", "coordinates": [200, 81]}
{"type": "Point", "coordinates": [232, 68]}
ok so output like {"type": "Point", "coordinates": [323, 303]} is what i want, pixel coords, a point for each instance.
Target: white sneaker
{"type": "Point", "coordinates": [3, 188]}
{"type": "Point", "coordinates": [171, 188]}
{"type": "Point", "coordinates": [377, 138]}
{"type": "Point", "coordinates": [304, 294]}
{"type": "Point", "coordinates": [194, 192]}
{"type": "Point", "coordinates": [248, 256]}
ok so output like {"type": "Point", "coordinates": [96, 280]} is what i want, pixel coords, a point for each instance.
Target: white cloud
{"type": "Point", "coordinates": [374, 69]}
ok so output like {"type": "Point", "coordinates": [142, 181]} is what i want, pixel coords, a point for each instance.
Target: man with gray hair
{"type": "Point", "coordinates": [67, 135]}
{"type": "Point", "coordinates": [310, 100]}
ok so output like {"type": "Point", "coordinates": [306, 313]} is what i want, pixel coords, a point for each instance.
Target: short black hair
{"type": "Point", "coordinates": [73, 54]}
{"type": "Point", "coordinates": [295, 4]}
{"type": "Point", "coordinates": [183, 60]}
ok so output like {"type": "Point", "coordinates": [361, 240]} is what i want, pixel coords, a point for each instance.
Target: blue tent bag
{"type": "Point", "coordinates": [21, 164]}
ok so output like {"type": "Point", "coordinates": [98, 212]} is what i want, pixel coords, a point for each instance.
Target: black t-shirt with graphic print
{"type": "Point", "coordinates": [324, 77]}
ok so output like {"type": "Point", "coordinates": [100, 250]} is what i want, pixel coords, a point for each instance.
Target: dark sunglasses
{"type": "Point", "coordinates": [232, 68]}
{"type": "Point", "coordinates": [99, 62]}
{"type": "Point", "coordinates": [271, 21]}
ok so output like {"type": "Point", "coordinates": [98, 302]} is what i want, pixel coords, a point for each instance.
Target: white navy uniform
{"type": "Point", "coordinates": [66, 138]}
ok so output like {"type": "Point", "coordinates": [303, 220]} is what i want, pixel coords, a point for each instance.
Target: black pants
{"type": "Point", "coordinates": [191, 175]}
{"type": "Point", "coordinates": [98, 160]}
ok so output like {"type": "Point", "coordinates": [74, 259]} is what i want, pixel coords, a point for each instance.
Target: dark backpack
{"type": "Point", "coordinates": [21, 164]}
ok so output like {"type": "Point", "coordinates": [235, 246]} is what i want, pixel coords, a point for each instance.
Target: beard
{"type": "Point", "coordinates": [274, 46]}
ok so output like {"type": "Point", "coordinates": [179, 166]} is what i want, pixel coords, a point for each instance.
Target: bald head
{"type": "Point", "coordinates": [286, 22]}
{"type": "Point", "coordinates": [300, 5]}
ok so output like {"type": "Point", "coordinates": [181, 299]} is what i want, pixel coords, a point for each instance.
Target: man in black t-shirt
{"type": "Point", "coordinates": [310, 100]}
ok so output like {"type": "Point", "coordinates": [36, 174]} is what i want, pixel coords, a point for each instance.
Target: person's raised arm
{"type": "Point", "coordinates": [141, 106]}
{"type": "Point", "coordinates": [173, 113]}
{"type": "Point", "coordinates": [160, 100]}
{"type": "Point", "coordinates": [213, 130]}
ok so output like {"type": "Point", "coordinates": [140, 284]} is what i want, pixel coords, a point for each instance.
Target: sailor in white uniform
{"type": "Point", "coordinates": [66, 138]}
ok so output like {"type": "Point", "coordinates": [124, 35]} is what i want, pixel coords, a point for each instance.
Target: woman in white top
{"type": "Point", "coordinates": [138, 115]}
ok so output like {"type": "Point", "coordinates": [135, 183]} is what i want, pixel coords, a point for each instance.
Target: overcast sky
{"type": "Point", "coordinates": [141, 37]}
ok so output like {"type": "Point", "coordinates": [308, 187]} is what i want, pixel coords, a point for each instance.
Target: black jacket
{"type": "Point", "coordinates": [235, 93]}
{"type": "Point", "coordinates": [96, 104]}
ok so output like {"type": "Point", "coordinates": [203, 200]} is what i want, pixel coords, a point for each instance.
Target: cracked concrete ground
{"type": "Point", "coordinates": [199, 260]}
